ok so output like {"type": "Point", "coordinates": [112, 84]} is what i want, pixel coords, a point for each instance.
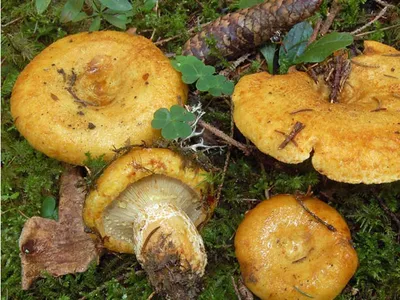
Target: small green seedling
{"type": "Point", "coordinates": [194, 70]}
{"type": "Point", "coordinates": [294, 49]}
{"type": "Point", "coordinates": [49, 209]}
{"type": "Point", "coordinates": [115, 12]}
{"type": "Point", "coordinates": [174, 123]}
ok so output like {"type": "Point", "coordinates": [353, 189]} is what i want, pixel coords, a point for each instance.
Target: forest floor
{"type": "Point", "coordinates": [29, 176]}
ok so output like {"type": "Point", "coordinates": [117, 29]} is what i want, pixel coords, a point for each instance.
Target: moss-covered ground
{"type": "Point", "coordinates": [28, 176]}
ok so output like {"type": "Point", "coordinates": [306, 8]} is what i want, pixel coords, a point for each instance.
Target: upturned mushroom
{"type": "Point", "coordinates": [93, 92]}
{"type": "Point", "coordinates": [292, 248]}
{"type": "Point", "coordinates": [356, 140]}
{"type": "Point", "coordinates": [149, 203]}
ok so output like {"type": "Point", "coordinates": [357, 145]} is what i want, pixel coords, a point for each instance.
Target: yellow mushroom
{"type": "Point", "coordinates": [356, 140]}
{"type": "Point", "coordinates": [93, 92]}
{"type": "Point", "coordinates": [285, 252]}
{"type": "Point", "coordinates": [148, 203]}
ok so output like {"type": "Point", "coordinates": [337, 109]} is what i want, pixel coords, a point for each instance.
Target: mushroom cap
{"type": "Point", "coordinates": [285, 253]}
{"type": "Point", "coordinates": [351, 141]}
{"type": "Point", "coordinates": [91, 92]}
{"type": "Point", "coordinates": [141, 169]}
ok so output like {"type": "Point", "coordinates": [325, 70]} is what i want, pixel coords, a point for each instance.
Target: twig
{"type": "Point", "coordinates": [163, 41]}
{"type": "Point", "coordinates": [79, 100]}
{"type": "Point", "coordinates": [245, 149]}
{"type": "Point", "coordinates": [228, 156]}
{"type": "Point", "coordinates": [380, 29]}
{"type": "Point", "coordinates": [11, 22]}
{"type": "Point", "coordinates": [392, 215]}
{"type": "Point", "coordinates": [335, 9]}
{"type": "Point", "coordinates": [301, 110]}
{"type": "Point", "coordinates": [236, 288]}
{"type": "Point", "coordinates": [379, 108]}
{"type": "Point", "coordinates": [336, 82]}
{"type": "Point", "coordinates": [314, 35]}
{"type": "Point", "coordinates": [299, 199]}
{"type": "Point", "coordinates": [380, 15]}
{"type": "Point", "coordinates": [290, 137]}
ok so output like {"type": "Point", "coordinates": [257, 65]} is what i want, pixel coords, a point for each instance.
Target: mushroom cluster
{"type": "Point", "coordinates": [93, 92]}
{"type": "Point", "coordinates": [356, 140]}
{"type": "Point", "coordinates": [292, 248]}
{"type": "Point", "coordinates": [149, 203]}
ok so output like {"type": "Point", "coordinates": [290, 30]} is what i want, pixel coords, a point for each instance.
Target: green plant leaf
{"type": "Point", "coordinates": [174, 130]}
{"type": "Point", "coordinates": [174, 122]}
{"type": "Point", "coordinates": [294, 44]}
{"type": "Point", "coordinates": [119, 20]}
{"type": "Point", "coordinates": [248, 3]}
{"type": "Point", "coordinates": [178, 113]}
{"type": "Point", "coordinates": [268, 51]}
{"type": "Point", "coordinates": [41, 5]}
{"type": "Point", "coordinates": [149, 4]}
{"type": "Point", "coordinates": [70, 10]}
{"type": "Point", "coordinates": [161, 118]}
{"type": "Point", "coordinates": [119, 5]}
{"type": "Point", "coordinates": [221, 86]}
{"type": "Point", "coordinates": [48, 207]}
{"type": "Point", "coordinates": [205, 82]}
{"type": "Point", "coordinates": [325, 46]}
{"type": "Point", "coordinates": [95, 24]}
{"type": "Point", "coordinates": [79, 17]}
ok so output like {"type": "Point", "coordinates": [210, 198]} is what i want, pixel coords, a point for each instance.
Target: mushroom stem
{"type": "Point", "coordinates": [170, 249]}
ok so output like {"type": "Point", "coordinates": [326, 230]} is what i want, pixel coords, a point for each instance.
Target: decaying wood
{"type": "Point", "coordinates": [62, 247]}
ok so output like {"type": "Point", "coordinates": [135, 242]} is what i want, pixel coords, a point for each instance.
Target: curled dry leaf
{"type": "Point", "coordinates": [59, 247]}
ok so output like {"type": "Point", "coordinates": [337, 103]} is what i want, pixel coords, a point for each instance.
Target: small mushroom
{"type": "Point", "coordinates": [292, 248]}
{"type": "Point", "coordinates": [149, 203]}
{"type": "Point", "coordinates": [356, 140]}
{"type": "Point", "coordinates": [93, 92]}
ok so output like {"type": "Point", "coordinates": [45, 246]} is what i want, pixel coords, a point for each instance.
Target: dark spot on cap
{"type": "Point", "coordinates": [146, 83]}
{"type": "Point", "coordinates": [81, 113]}
{"type": "Point", "coordinates": [146, 76]}
{"type": "Point", "coordinates": [54, 97]}
{"type": "Point", "coordinates": [91, 126]}
{"type": "Point", "coordinates": [28, 247]}
{"type": "Point", "coordinates": [392, 69]}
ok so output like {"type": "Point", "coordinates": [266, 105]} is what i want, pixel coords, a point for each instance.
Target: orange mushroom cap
{"type": "Point", "coordinates": [93, 92]}
{"type": "Point", "coordinates": [356, 140]}
{"type": "Point", "coordinates": [286, 253]}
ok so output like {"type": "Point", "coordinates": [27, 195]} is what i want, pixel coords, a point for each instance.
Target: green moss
{"type": "Point", "coordinates": [28, 176]}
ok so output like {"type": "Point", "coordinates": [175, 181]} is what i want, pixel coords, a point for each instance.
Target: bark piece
{"type": "Point", "coordinates": [61, 247]}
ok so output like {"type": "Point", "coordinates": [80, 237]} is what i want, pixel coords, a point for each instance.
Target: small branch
{"type": "Point", "coordinates": [245, 149]}
{"type": "Point", "coordinates": [79, 100]}
{"type": "Point", "coordinates": [314, 35]}
{"type": "Point", "coordinates": [290, 137]}
{"type": "Point", "coordinates": [228, 156]}
{"type": "Point", "coordinates": [379, 108]}
{"type": "Point", "coordinates": [391, 214]}
{"type": "Point", "coordinates": [299, 199]}
{"type": "Point", "coordinates": [380, 15]}
{"type": "Point", "coordinates": [301, 110]}
{"type": "Point", "coordinates": [335, 9]}
{"type": "Point", "coordinates": [380, 29]}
